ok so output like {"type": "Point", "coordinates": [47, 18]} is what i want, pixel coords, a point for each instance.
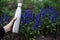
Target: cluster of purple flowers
{"type": "Point", "coordinates": [1, 20]}
{"type": "Point", "coordinates": [54, 12]}
{"type": "Point", "coordinates": [29, 16]}
{"type": "Point", "coordinates": [5, 18]}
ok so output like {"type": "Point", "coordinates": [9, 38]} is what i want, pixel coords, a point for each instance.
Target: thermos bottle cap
{"type": "Point", "coordinates": [19, 4]}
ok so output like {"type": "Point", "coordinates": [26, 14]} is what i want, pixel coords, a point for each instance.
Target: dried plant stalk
{"type": "Point", "coordinates": [19, 1]}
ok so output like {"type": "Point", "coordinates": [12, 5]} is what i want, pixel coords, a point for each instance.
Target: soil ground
{"type": "Point", "coordinates": [13, 36]}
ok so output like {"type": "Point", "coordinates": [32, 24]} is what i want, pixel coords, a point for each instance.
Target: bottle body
{"type": "Point", "coordinates": [17, 22]}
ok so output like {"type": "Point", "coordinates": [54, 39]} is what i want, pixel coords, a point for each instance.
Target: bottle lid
{"type": "Point", "coordinates": [19, 4]}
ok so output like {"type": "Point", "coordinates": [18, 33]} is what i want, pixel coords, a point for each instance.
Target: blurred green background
{"type": "Point", "coordinates": [11, 5]}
